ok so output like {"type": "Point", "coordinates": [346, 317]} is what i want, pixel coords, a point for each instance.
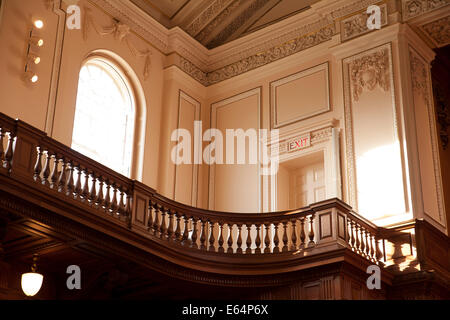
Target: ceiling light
{"type": "Point", "coordinates": [32, 281]}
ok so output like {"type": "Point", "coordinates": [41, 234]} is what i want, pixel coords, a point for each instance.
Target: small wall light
{"type": "Point", "coordinates": [37, 41]}
{"type": "Point", "coordinates": [32, 281]}
{"type": "Point", "coordinates": [34, 59]}
{"type": "Point", "coordinates": [38, 24]}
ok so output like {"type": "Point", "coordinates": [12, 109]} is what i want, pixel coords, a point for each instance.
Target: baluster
{"type": "Point", "coordinates": [62, 180]}
{"type": "Point", "coordinates": [108, 196]}
{"type": "Point", "coordinates": [211, 236]}
{"type": "Point", "coordinates": [122, 211]}
{"type": "Point", "coordinates": [285, 237]}
{"type": "Point", "coordinates": [157, 208]}
{"type": "Point", "coordinates": [367, 243]}
{"type": "Point", "coordinates": [178, 228]}
{"type": "Point", "coordinates": [37, 166]}
{"type": "Point", "coordinates": [239, 238]}
{"type": "Point", "coordinates": [258, 240]}
{"type": "Point", "coordinates": [194, 233]}
{"type": "Point", "coordinates": [378, 253]}
{"type": "Point", "coordinates": [350, 233]}
{"type": "Point", "coordinates": [230, 239]}
{"type": "Point", "coordinates": [302, 233]}
{"type": "Point", "coordinates": [294, 235]}
{"type": "Point", "coordinates": [170, 214]}
{"type": "Point", "coordinates": [311, 230]}
{"type": "Point", "coordinates": [185, 237]}
{"type": "Point", "coordinates": [128, 207]}
{"type": "Point", "coordinates": [372, 247]}
{"type": "Point", "coordinates": [163, 228]}
{"type": "Point", "coordinates": [54, 173]}
{"type": "Point", "coordinates": [85, 192]}
{"type": "Point", "coordinates": [363, 237]}
{"type": "Point", "coordinates": [266, 239]}
{"type": "Point", "coordinates": [276, 238]}
{"type": "Point", "coordinates": [70, 183]}
{"type": "Point", "coordinates": [357, 243]}
{"type": "Point", "coordinates": [78, 189]}
{"type": "Point", "coordinates": [114, 206]}
{"type": "Point", "coordinates": [93, 192]}
{"type": "Point", "coordinates": [150, 216]}
{"type": "Point", "coordinates": [221, 240]}
{"type": "Point", "coordinates": [100, 196]}
{"type": "Point", "coordinates": [248, 250]}
{"type": "Point", "coordinates": [203, 234]}
{"type": "Point", "coordinates": [7, 163]}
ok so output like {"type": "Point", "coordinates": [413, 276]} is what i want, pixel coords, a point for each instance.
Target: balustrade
{"type": "Point", "coordinates": [62, 171]}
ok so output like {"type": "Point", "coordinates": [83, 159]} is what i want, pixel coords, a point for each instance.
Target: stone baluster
{"type": "Point", "coordinates": [230, 239]}
{"type": "Point", "coordinates": [221, 240]}
{"type": "Point", "coordinates": [276, 238]}
{"type": "Point", "coordinates": [211, 236]}
{"type": "Point", "coordinates": [239, 238]}
{"type": "Point", "coordinates": [248, 242]}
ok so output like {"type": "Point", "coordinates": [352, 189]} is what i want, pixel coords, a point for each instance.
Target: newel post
{"type": "Point", "coordinates": [25, 150]}
{"type": "Point", "coordinates": [141, 207]}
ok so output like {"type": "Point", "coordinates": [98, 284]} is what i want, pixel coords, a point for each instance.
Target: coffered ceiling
{"type": "Point", "coordinates": [215, 22]}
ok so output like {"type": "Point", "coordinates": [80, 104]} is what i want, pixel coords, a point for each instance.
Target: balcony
{"type": "Point", "coordinates": [49, 184]}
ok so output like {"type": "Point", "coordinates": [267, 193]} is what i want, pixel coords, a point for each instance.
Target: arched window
{"type": "Point", "coordinates": [104, 115]}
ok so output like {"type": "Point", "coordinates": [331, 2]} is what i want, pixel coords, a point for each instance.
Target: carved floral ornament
{"type": "Point", "coordinates": [369, 71]}
{"type": "Point", "coordinates": [439, 31]}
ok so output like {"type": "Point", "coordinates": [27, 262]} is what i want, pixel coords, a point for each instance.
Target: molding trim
{"type": "Point", "coordinates": [195, 167]}
{"type": "Point", "coordinates": [421, 83]}
{"type": "Point", "coordinates": [214, 106]}
{"type": "Point", "coordinates": [438, 31]}
{"type": "Point", "coordinates": [275, 84]}
{"type": "Point", "coordinates": [378, 62]}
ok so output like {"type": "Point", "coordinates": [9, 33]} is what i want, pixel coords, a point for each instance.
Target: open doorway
{"type": "Point", "coordinates": [301, 181]}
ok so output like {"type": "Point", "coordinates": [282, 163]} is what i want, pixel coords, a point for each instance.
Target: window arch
{"type": "Point", "coordinates": [105, 113]}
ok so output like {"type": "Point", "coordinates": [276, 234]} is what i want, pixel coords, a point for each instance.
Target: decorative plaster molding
{"type": "Point", "coordinates": [206, 16]}
{"type": "Point", "coordinates": [414, 8]}
{"type": "Point", "coordinates": [356, 25]}
{"type": "Point", "coordinates": [438, 31]}
{"type": "Point", "coordinates": [121, 32]}
{"type": "Point", "coordinates": [443, 113]}
{"type": "Point", "coordinates": [307, 29]}
{"type": "Point", "coordinates": [234, 25]}
{"type": "Point", "coordinates": [377, 63]}
{"type": "Point", "coordinates": [209, 29]}
{"type": "Point", "coordinates": [421, 83]}
{"type": "Point", "coordinates": [273, 54]}
{"type": "Point", "coordinates": [369, 71]}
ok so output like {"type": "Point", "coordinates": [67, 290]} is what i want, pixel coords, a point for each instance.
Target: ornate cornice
{"type": "Point", "coordinates": [414, 8]}
{"type": "Point", "coordinates": [304, 30]}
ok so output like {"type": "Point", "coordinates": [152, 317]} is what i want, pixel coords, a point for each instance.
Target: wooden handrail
{"type": "Point", "coordinates": [29, 155]}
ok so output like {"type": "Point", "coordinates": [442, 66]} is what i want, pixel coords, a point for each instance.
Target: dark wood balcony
{"type": "Point", "coordinates": [67, 200]}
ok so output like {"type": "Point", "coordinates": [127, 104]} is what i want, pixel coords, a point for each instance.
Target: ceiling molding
{"type": "Point", "coordinates": [281, 39]}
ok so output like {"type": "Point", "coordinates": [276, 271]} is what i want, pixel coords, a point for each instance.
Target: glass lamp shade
{"type": "Point", "coordinates": [31, 283]}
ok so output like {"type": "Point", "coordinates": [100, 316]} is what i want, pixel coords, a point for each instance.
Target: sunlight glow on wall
{"type": "Point", "coordinates": [380, 182]}
{"type": "Point", "coordinates": [104, 116]}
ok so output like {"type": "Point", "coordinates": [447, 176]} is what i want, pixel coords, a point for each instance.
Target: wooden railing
{"type": "Point", "coordinates": [29, 155]}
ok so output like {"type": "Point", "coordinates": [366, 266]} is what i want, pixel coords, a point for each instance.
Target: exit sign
{"type": "Point", "coordinates": [299, 143]}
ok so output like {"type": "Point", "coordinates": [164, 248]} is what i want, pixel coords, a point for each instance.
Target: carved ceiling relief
{"type": "Point", "coordinates": [370, 71]}
{"type": "Point", "coordinates": [439, 31]}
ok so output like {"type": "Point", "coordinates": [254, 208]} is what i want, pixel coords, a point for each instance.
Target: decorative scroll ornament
{"type": "Point", "coordinates": [121, 32]}
{"type": "Point", "coordinates": [369, 71]}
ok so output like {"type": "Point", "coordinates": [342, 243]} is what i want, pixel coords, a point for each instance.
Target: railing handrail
{"type": "Point", "coordinates": [56, 166]}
